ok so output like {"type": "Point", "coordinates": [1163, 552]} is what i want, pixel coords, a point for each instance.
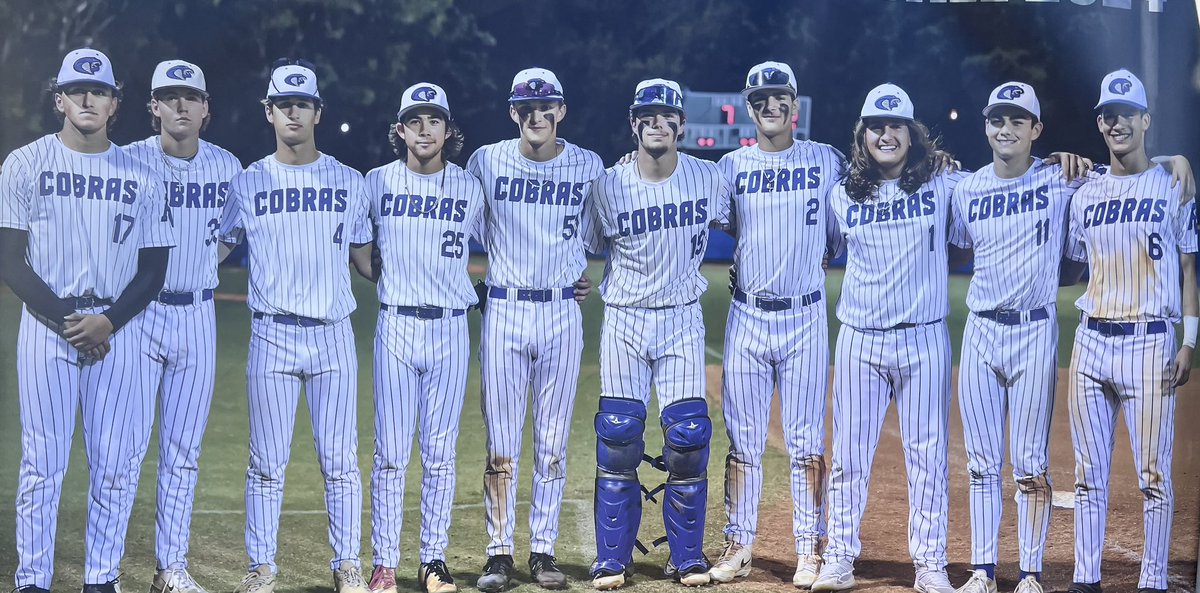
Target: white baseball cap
{"type": "Point", "coordinates": [86, 66]}
{"type": "Point", "coordinates": [1123, 87]}
{"type": "Point", "coordinates": [770, 75]}
{"type": "Point", "coordinates": [1016, 94]}
{"type": "Point", "coordinates": [887, 100]}
{"type": "Point", "coordinates": [178, 73]}
{"type": "Point", "coordinates": [535, 83]}
{"type": "Point", "coordinates": [423, 94]}
{"type": "Point", "coordinates": [658, 91]}
{"type": "Point", "coordinates": [293, 80]}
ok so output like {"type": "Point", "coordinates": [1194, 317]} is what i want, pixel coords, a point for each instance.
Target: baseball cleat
{"type": "Point", "coordinates": [113, 586]}
{"type": "Point", "coordinates": [545, 572]}
{"type": "Point", "coordinates": [602, 581]}
{"type": "Point", "coordinates": [435, 577]}
{"type": "Point", "coordinates": [979, 583]}
{"type": "Point", "coordinates": [30, 589]}
{"type": "Point", "coordinates": [734, 562]}
{"type": "Point", "coordinates": [932, 581]}
{"type": "Point", "coordinates": [497, 572]}
{"type": "Point", "coordinates": [1149, 590]}
{"type": "Point", "coordinates": [835, 576]}
{"type": "Point", "coordinates": [259, 580]}
{"type": "Point", "coordinates": [383, 580]}
{"type": "Point", "coordinates": [347, 578]}
{"type": "Point", "coordinates": [174, 580]}
{"type": "Point", "coordinates": [695, 577]}
{"type": "Point", "coordinates": [1084, 588]}
{"type": "Point", "coordinates": [1029, 585]}
{"type": "Point", "coordinates": [807, 569]}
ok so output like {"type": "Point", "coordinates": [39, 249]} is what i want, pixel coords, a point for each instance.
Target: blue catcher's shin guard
{"type": "Point", "coordinates": [686, 432]}
{"type": "Point", "coordinates": [620, 424]}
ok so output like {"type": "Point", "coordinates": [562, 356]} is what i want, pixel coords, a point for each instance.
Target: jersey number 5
{"type": "Point", "coordinates": [570, 226]}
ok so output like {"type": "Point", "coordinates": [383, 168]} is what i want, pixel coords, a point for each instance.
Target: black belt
{"type": "Point", "coordinates": [1012, 317]}
{"type": "Point", "coordinates": [291, 319]}
{"type": "Point", "coordinates": [780, 304]}
{"type": "Point", "coordinates": [1118, 328]}
{"type": "Point", "coordinates": [534, 296]}
{"type": "Point", "coordinates": [87, 302]}
{"type": "Point", "coordinates": [423, 312]}
{"type": "Point", "coordinates": [908, 325]}
{"type": "Point", "coordinates": [184, 298]}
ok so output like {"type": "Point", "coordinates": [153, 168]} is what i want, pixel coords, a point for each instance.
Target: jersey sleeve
{"type": "Point", "coordinates": [475, 226]}
{"type": "Point", "coordinates": [591, 224]}
{"type": "Point", "coordinates": [475, 163]}
{"type": "Point", "coordinates": [1075, 248]}
{"type": "Point", "coordinates": [233, 229]}
{"type": "Point", "coordinates": [361, 226]}
{"type": "Point", "coordinates": [15, 190]}
{"type": "Point", "coordinates": [157, 230]}
{"type": "Point", "coordinates": [723, 216]}
{"type": "Point", "coordinates": [960, 236]}
{"type": "Point", "coordinates": [1185, 225]}
{"type": "Point", "coordinates": [835, 241]}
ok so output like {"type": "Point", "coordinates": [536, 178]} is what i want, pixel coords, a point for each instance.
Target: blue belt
{"type": "Point", "coordinates": [423, 312]}
{"type": "Point", "coordinates": [291, 319]}
{"type": "Point", "coordinates": [184, 298]}
{"type": "Point", "coordinates": [780, 304]}
{"type": "Point", "coordinates": [87, 302]}
{"type": "Point", "coordinates": [534, 296]}
{"type": "Point", "coordinates": [1117, 328]}
{"type": "Point", "coordinates": [1011, 317]}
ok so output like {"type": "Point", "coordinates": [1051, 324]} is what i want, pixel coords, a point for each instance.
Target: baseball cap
{"type": "Point", "coordinates": [293, 80]}
{"type": "Point", "coordinates": [423, 94]}
{"type": "Point", "coordinates": [1122, 87]}
{"type": "Point", "coordinates": [86, 65]}
{"type": "Point", "coordinates": [658, 91]}
{"type": "Point", "coordinates": [178, 73]}
{"type": "Point", "coordinates": [887, 100]}
{"type": "Point", "coordinates": [1016, 94]}
{"type": "Point", "coordinates": [535, 83]}
{"type": "Point", "coordinates": [770, 75]}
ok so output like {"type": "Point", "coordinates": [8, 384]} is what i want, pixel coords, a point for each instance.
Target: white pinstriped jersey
{"type": "Point", "coordinates": [196, 192]}
{"type": "Point", "coordinates": [422, 225]}
{"type": "Point", "coordinates": [897, 268]}
{"type": "Point", "coordinates": [300, 222]}
{"type": "Point", "coordinates": [534, 212]}
{"type": "Point", "coordinates": [657, 232]}
{"type": "Point", "coordinates": [1016, 227]}
{"type": "Point", "coordinates": [781, 211]}
{"type": "Point", "coordinates": [1130, 230]}
{"type": "Point", "coordinates": [87, 215]}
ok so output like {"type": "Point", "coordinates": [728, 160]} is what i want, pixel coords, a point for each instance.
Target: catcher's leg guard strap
{"type": "Point", "coordinates": [686, 431]}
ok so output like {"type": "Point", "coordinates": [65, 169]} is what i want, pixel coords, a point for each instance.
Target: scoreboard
{"type": "Point", "coordinates": [718, 121]}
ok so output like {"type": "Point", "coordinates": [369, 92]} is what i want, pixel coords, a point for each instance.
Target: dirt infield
{"type": "Point", "coordinates": [885, 564]}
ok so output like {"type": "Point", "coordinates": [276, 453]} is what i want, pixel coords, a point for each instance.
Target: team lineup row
{"type": "Point", "coordinates": [117, 284]}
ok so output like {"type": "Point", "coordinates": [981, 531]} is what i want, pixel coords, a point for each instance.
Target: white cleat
{"type": "Point", "coordinates": [349, 579]}
{"type": "Point", "coordinates": [734, 562]}
{"type": "Point", "coordinates": [807, 569]}
{"type": "Point", "coordinates": [932, 581]}
{"type": "Point", "coordinates": [259, 580]}
{"type": "Point", "coordinates": [1029, 585]}
{"type": "Point", "coordinates": [174, 580]}
{"type": "Point", "coordinates": [608, 582]}
{"type": "Point", "coordinates": [835, 576]}
{"type": "Point", "coordinates": [979, 583]}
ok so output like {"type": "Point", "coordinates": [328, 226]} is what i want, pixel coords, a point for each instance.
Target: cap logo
{"type": "Point", "coordinates": [1120, 86]}
{"type": "Point", "coordinates": [1010, 92]}
{"type": "Point", "coordinates": [88, 65]}
{"type": "Point", "coordinates": [425, 93]}
{"type": "Point", "coordinates": [536, 84]}
{"type": "Point", "coordinates": [181, 72]}
{"type": "Point", "coordinates": [295, 79]}
{"type": "Point", "coordinates": [888, 102]}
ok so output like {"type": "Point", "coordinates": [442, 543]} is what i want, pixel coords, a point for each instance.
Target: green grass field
{"type": "Point", "coordinates": [217, 551]}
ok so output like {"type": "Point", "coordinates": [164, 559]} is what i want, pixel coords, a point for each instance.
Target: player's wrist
{"type": "Point", "coordinates": [1190, 326]}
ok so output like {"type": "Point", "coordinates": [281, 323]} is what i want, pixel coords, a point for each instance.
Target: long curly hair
{"type": "Point", "coordinates": [450, 150]}
{"type": "Point", "coordinates": [864, 177]}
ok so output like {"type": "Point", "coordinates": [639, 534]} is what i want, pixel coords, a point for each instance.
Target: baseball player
{"type": "Point", "coordinates": [777, 332]}
{"type": "Point", "coordinates": [1138, 237]}
{"type": "Point", "coordinates": [83, 245]}
{"type": "Point", "coordinates": [893, 343]}
{"type": "Point", "coordinates": [424, 209]}
{"type": "Point", "coordinates": [537, 187]}
{"type": "Point", "coordinates": [653, 215]}
{"type": "Point", "coordinates": [301, 212]}
{"type": "Point", "coordinates": [179, 323]}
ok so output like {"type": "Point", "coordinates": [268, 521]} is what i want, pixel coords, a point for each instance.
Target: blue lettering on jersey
{"type": "Point", "coordinates": [415, 206]}
{"type": "Point", "coordinates": [997, 205]}
{"type": "Point", "coordinates": [1119, 210]}
{"type": "Point", "coordinates": [91, 187]}
{"type": "Point", "coordinates": [899, 209]}
{"type": "Point", "coordinates": [197, 195]}
{"type": "Point", "coordinates": [532, 191]}
{"type": "Point", "coordinates": [773, 180]}
{"type": "Point", "coordinates": [299, 199]}
{"type": "Point", "coordinates": [666, 216]}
